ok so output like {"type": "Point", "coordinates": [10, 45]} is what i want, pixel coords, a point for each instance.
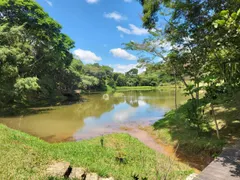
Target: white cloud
{"type": "Point", "coordinates": [125, 68]}
{"type": "Point", "coordinates": [141, 103]}
{"type": "Point", "coordinates": [124, 30]}
{"type": "Point", "coordinates": [121, 53]}
{"type": "Point", "coordinates": [49, 2]}
{"type": "Point", "coordinates": [115, 15]}
{"type": "Point", "coordinates": [138, 31]}
{"type": "Point", "coordinates": [124, 115]}
{"type": "Point", "coordinates": [92, 1]}
{"type": "Point", "coordinates": [86, 56]}
{"type": "Point", "coordinates": [128, 1]}
{"type": "Point", "coordinates": [133, 30]}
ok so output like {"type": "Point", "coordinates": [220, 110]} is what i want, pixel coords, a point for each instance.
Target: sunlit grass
{"type": "Point", "coordinates": [26, 157]}
{"type": "Point", "coordinates": [124, 88]}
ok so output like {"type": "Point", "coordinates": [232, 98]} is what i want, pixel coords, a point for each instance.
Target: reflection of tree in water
{"type": "Point", "coordinates": [63, 121]}
{"type": "Point", "coordinates": [165, 98]}
{"type": "Point", "coordinates": [96, 105]}
{"type": "Point", "coordinates": [132, 98]}
{"type": "Point", "coordinates": [160, 98]}
{"type": "Point", "coordinates": [117, 100]}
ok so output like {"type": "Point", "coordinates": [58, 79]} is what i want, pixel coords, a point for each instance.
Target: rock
{"type": "Point", "coordinates": [77, 173]}
{"type": "Point", "coordinates": [110, 178]}
{"type": "Point", "coordinates": [191, 176]}
{"type": "Point", "coordinates": [92, 176]}
{"type": "Point", "coordinates": [58, 169]}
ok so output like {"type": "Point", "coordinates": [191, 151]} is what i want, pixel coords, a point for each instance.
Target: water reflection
{"type": "Point", "coordinates": [101, 113]}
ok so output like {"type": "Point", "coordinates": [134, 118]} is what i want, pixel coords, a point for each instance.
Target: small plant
{"type": "Point", "coordinates": [121, 157]}
{"type": "Point", "coordinates": [195, 117]}
{"type": "Point", "coordinates": [102, 141]}
{"type": "Point", "coordinates": [136, 177]}
{"type": "Point", "coordinates": [214, 155]}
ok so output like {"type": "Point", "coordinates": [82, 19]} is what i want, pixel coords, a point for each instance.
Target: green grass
{"type": "Point", "coordinates": [110, 89]}
{"type": "Point", "coordinates": [126, 88]}
{"type": "Point", "coordinates": [22, 156]}
{"type": "Point", "coordinates": [27, 157]}
{"type": "Point", "coordinates": [163, 86]}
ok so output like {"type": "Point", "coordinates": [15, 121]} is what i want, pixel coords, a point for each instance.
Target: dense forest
{"type": "Point", "coordinates": [37, 66]}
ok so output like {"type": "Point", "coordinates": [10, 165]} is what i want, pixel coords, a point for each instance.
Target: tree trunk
{"type": "Point", "coordinates": [182, 79]}
{"type": "Point", "coordinates": [215, 120]}
{"type": "Point", "coordinates": [175, 93]}
{"type": "Point", "coordinates": [197, 92]}
{"type": "Point", "coordinates": [186, 85]}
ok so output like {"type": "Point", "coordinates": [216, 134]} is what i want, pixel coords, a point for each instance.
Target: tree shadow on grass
{"type": "Point", "coordinates": [229, 113]}
{"type": "Point", "coordinates": [194, 147]}
{"type": "Point", "coordinates": [200, 148]}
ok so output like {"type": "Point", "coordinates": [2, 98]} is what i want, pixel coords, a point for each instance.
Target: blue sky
{"type": "Point", "coordinates": [99, 28]}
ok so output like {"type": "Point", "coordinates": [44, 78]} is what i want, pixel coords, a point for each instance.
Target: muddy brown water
{"type": "Point", "coordinates": [99, 114]}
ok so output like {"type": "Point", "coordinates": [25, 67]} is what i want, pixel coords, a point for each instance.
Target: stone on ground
{"type": "Point", "coordinates": [77, 173]}
{"type": "Point", "coordinates": [110, 178]}
{"type": "Point", "coordinates": [58, 169]}
{"type": "Point", "coordinates": [191, 176]}
{"type": "Point", "coordinates": [92, 176]}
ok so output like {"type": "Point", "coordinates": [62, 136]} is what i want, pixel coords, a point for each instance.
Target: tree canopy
{"type": "Point", "coordinates": [200, 42]}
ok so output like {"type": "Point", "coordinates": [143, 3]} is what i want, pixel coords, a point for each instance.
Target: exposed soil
{"type": "Point", "coordinates": [154, 143]}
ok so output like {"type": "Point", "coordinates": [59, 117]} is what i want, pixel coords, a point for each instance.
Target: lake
{"type": "Point", "coordinates": [99, 114]}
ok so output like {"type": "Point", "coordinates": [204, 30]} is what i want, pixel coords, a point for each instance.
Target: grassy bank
{"type": "Point", "coordinates": [196, 148]}
{"type": "Point", "coordinates": [27, 157]}
{"type": "Point", "coordinates": [162, 86]}
{"type": "Point", "coordinates": [126, 88]}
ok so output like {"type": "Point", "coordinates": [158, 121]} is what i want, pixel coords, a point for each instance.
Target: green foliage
{"type": "Point", "coordinates": [204, 39]}
{"type": "Point", "coordinates": [43, 28]}
{"type": "Point", "coordinates": [155, 75]}
{"type": "Point", "coordinates": [89, 82]}
{"type": "Point", "coordinates": [26, 84]}
{"type": "Point", "coordinates": [34, 55]}
{"type": "Point", "coordinates": [150, 10]}
{"type": "Point", "coordinates": [121, 80]}
{"type": "Point", "coordinates": [100, 76]}
{"type": "Point", "coordinates": [195, 117]}
{"type": "Point", "coordinates": [15, 57]}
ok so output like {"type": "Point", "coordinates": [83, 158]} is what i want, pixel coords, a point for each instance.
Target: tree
{"type": "Point", "coordinates": [35, 50]}
{"type": "Point", "coordinates": [121, 80]}
{"type": "Point", "coordinates": [204, 43]}
{"type": "Point", "coordinates": [132, 73]}
{"type": "Point", "coordinates": [15, 57]}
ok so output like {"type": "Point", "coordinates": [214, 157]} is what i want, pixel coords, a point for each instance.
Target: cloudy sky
{"type": "Point", "coordinates": [99, 29]}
